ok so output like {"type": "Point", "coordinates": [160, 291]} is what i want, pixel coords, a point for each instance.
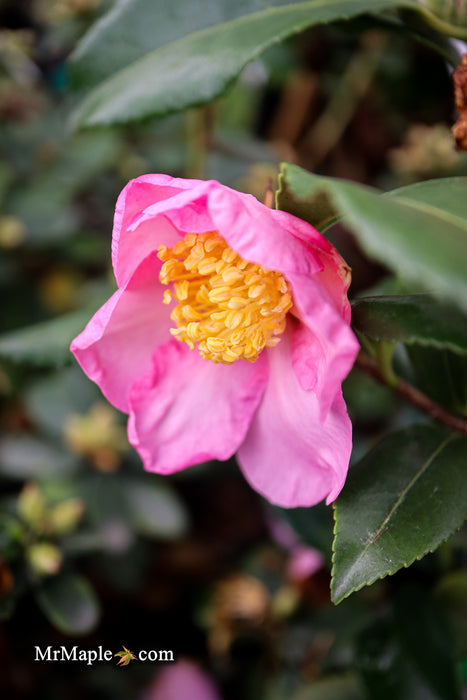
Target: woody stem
{"type": "Point", "coordinates": [410, 393]}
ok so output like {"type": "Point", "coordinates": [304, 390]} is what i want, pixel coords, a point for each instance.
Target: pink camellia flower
{"type": "Point", "coordinates": [229, 332]}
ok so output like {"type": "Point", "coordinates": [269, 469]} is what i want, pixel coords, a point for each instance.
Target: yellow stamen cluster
{"type": "Point", "coordinates": [228, 307]}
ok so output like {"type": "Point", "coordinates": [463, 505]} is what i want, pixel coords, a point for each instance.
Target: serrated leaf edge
{"type": "Point", "coordinates": [391, 572]}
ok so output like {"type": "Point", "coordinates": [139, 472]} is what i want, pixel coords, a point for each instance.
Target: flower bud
{"type": "Point", "coordinates": [32, 506]}
{"type": "Point", "coordinates": [64, 517]}
{"type": "Point", "coordinates": [97, 436]}
{"type": "Point", "coordinates": [12, 232]}
{"type": "Point", "coordinates": [44, 558]}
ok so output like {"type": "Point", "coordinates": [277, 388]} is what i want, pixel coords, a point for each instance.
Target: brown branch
{"type": "Point", "coordinates": [414, 396]}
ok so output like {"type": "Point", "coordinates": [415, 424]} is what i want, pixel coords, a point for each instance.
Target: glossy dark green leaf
{"type": "Point", "coordinates": [423, 239]}
{"type": "Point", "coordinates": [69, 603]}
{"type": "Point", "coordinates": [410, 319]}
{"type": "Point", "coordinates": [199, 67]}
{"type": "Point", "coordinates": [427, 641]}
{"type": "Point", "coordinates": [400, 502]}
{"type": "Point", "coordinates": [105, 48]}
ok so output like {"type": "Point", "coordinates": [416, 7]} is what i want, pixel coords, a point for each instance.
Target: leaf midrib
{"type": "Point", "coordinates": [229, 25]}
{"type": "Point", "coordinates": [399, 501]}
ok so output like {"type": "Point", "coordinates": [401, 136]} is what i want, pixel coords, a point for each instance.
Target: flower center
{"type": "Point", "coordinates": [229, 307]}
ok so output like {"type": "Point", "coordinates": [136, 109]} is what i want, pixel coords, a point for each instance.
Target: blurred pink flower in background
{"type": "Point", "coordinates": [183, 680]}
{"type": "Point", "coordinates": [229, 332]}
{"type": "Point", "coordinates": [304, 561]}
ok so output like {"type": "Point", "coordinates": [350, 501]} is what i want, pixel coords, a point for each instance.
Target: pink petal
{"type": "Point", "coordinates": [249, 227]}
{"type": "Point", "coordinates": [304, 562]}
{"type": "Point", "coordinates": [139, 193]}
{"type": "Point", "coordinates": [335, 273]}
{"type": "Point", "coordinates": [183, 680]}
{"type": "Point", "coordinates": [188, 410]}
{"type": "Point", "coordinates": [117, 344]}
{"type": "Point", "coordinates": [324, 347]}
{"type": "Point", "coordinates": [289, 455]}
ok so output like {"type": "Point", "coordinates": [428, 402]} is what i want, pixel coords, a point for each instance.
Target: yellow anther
{"type": "Point", "coordinates": [232, 274]}
{"type": "Point", "coordinates": [181, 290]}
{"type": "Point", "coordinates": [211, 243]}
{"type": "Point", "coordinates": [228, 255]}
{"type": "Point", "coordinates": [191, 314]}
{"type": "Point", "coordinates": [163, 253]}
{"type": "Point", "coordinates": [180, 247]}
{"type": "Point", "coordinates": [215, 345]}
{"type": "Point", "coordinates": [192, 330]}
{"type": "Point", "coordinates": [207, 266]}
{"type": "Point", "coordinates": [238, 302]}
{"type": "Point", "coordinates": [227, 307]}
{"type": "Point", "coordinates": [220, 294]}
{"type": "Point", "coordinates": [233, 319]}
{"type": "Point", "coordinates": [256, 291]}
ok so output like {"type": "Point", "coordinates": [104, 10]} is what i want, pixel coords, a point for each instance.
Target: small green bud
{"type": "Point", "coordinates": [64, 517]}
{"type": "Point", "coordinates": [44, 558]}
{"type": "Point", "coordinates": [32, 506]}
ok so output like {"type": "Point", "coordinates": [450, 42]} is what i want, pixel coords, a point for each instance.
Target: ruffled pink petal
{"type": "Point", "coordinates": [252, 231]}
{"type": "Point", "coordinates": [246, 225]}
{"type": "Point", "coordinates": [335, 273]}
{"type": "Point", "coordinates": [289, 455]}
{"type": "Point", "coordinates": [139, 193]}
{"type": "Point", "coordinates": [323, 347]}
{"type": "Point", "coordinates": [117, 344]}
{"type": "Point", "coordinates": [187, 410]}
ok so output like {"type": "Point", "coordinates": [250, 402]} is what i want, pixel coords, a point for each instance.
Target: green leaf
{"type": "Point", "coordinates": [52, 400]}
{"type": "Point", "coordinates": [199, 67]}
{"type": "Point", "coordinates": [70, 604]}
{"type": "Point", "coordinates": [154, 509]}
{"type": "Point", "coordinates": [411, 319]}
{"type": "Point", "coordinates": [400, 502]}
{"type": "Point", "coordinates": [440, 374]}
{"type": "Point", "coordinates": [419, 618]}
{"type": "Point", "coordinates": [44, 206]}
{"type": "Point", "coordinates": [45, 344]}
{"type": "Point", "coordinates": [447, 193]}
{"type": "Point", "coordinates": [30, 458]}
{"type": "Point", "coordinates": [105, 48]}
{"type": "Point", "coordinates": [423, 241]}
{"type": "Point", "coordinates": [389, 670]}
{"type": "Point", "coordinates": [380, 661]}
